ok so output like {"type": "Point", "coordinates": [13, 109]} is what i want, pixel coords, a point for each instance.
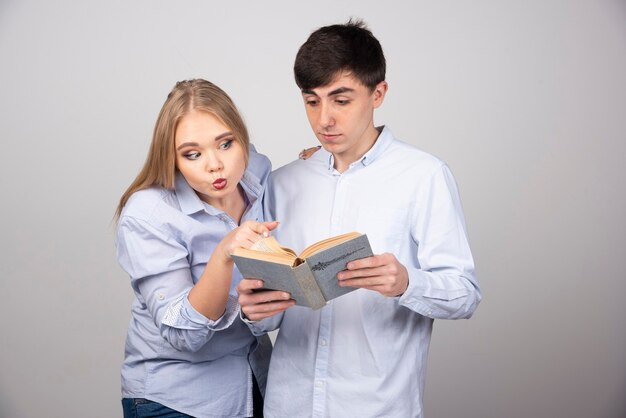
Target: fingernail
{"type": "Point", "coordinates": [266, 234]}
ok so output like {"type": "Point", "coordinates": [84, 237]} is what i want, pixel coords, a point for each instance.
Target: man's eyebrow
{"type": "Point", "coordinates": [339, 90]}
{"type": "Point", "coordinates": [195, 144]}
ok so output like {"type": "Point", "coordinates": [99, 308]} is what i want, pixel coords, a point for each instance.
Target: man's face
{"type": "Point", "coordinates": [341, 114]}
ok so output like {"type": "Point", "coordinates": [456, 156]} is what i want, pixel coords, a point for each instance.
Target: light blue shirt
{"type": "Point", "coordinates": [174, 355]}
{"type": "Point", "coordinates": [364, 354]}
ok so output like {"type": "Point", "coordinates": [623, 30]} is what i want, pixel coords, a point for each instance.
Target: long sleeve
{"type": "Point", "coordinates": [445, 285]}
{"type": "Point", "coordinates": [161, 277]}
{"type": "Point", "coordinates": [264, 326]}
{"type": "Point", "coordinates": [173, 354]}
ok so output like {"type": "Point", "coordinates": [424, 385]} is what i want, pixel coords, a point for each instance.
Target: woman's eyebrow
{"type": "Point", "coordinates": [187, 144]}
{"type": "Point", "coordinates": [225, 134]}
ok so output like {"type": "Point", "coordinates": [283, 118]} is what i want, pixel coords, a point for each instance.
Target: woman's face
{"type": "Point", "coordinates": [209, 157]}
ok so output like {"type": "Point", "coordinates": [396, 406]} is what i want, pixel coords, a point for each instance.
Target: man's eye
{"type": "Point", "coordinates": [226, 144]}
{"type": "Point", "coordinates": [311, 102]}
{"type": "Point", "coordinates": [193, 155]}
{"type": "Point", "coordinates": [342, 102]}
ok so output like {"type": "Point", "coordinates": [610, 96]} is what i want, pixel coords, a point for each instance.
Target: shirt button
{"type": "Point", "coordinates": [322, 342]}
{"type": "Point", "coordinates": [319, 384]}
{"type": "Point", "coordinates": [161, 296]}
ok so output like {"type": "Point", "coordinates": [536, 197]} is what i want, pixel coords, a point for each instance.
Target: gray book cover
{"type": "Point", "coordinates": [313, 281]}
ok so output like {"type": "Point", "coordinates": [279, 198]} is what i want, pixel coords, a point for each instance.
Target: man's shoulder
{"type": "Point", "coordinates": [300, 166]}
{"type": "Point", "coordinates": [404, 153]}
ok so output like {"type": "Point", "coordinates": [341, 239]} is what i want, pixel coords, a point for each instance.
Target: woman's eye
{"type": "Point", "coordinates": [193, 155]}
{"type": "Point", "coordinates": [226, 144]}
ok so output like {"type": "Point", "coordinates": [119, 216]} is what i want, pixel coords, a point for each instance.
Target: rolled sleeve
{"type": "Point", "coordinates": [187, 329]}
{"type": "Point", "coordinates": [180, 314]}
{"type": "Point", "coordinates": [160, 275]}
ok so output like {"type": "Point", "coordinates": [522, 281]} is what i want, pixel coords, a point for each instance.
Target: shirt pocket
{"type": "Point", "coordinates": [386, 226]}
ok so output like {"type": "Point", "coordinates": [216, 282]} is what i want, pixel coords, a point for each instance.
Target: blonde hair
{"type": "Point", "coordinates": [160, 166]}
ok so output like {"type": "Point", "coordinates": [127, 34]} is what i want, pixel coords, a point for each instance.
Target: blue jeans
{"type": "Point", "coordinates": [143, 408]}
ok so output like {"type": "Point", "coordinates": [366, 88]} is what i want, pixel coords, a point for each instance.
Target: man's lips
{"type": "Point", "coordinates": [220, 183]}
{"type": "Point", "coordinates": [329, 137]}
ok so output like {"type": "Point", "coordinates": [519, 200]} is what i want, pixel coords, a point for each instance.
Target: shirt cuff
{"type": "Point", "coordinates": [226, 320]}
{"type": "Point", "coordinates": [412, 296]}
{"type": "Point", "coordinates": [264, 325]}
{"type": "Point", "coordinates": [181, 314]}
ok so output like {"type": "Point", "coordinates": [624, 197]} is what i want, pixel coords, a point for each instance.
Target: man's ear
{"type": "Point", "coordinates": [379, 93]}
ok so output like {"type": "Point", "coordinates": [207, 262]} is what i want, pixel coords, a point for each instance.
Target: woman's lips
{"type": "Point", "coordinates": [219, 184]}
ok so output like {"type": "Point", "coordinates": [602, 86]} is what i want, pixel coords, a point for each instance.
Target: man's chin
{"type": "Point", "coordinates": [330, 143]}
{"type": "Point", "coordinates": [330, 147]}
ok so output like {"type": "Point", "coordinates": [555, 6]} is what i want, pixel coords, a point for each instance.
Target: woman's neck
{"type": "Point", "coordinates": [234, 206]}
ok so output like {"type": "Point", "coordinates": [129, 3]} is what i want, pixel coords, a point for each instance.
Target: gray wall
{"type": "Point", "coordinates": [526, 100]}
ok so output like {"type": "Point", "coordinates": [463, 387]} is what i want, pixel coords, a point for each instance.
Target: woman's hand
{"type": "Point", "coordinates": [244, 236]}
{"type": "Point", "coordinates": [210, 294]}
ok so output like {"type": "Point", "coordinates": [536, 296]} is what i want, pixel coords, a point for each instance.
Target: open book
{"type": "Point", "coordinates": [311, 276]}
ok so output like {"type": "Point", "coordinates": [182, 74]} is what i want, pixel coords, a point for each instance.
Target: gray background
{"type": "Point", "coordinates": [526, 100]}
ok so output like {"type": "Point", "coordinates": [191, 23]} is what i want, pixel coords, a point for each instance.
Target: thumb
{"type": "Point", "coordinates": [270, 225]}
{"type": "Point", "coordinates": [263, 228]}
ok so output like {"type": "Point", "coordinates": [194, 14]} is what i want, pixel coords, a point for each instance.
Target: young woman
{"type": "Point", "coordinates": [197, 198]}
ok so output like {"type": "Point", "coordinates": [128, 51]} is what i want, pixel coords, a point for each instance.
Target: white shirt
{"type": "Point", "coordinates": [365, 354]}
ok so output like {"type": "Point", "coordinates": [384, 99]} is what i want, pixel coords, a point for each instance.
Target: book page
{"type": "Point", "coordinates": [285, 259]}
{"type": "Point", "coordinates": [326, 243]}
{"type": "Point", "coordinates": [270, 245]}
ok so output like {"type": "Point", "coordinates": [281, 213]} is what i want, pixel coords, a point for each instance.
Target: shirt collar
{"type": "Point", "coordinates": [187, 198]}
{"type": "Point", "coordinates": [382, 142]}
{"type": "Point", "coordinates": [252, 186]}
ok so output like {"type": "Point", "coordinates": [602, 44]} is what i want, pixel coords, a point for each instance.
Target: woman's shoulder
{"type": "Point", "coordinates": [144, 203]}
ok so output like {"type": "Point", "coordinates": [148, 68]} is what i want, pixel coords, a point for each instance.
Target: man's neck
{"type": "Point", "coordinates": [367, 141]}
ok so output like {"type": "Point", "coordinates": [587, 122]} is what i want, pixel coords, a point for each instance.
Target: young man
{"type": "Point", "coordinates": [363, 354]}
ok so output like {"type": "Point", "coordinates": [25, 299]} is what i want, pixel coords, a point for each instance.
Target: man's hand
{"type": "Point", "coordinates": [261, 304]}
{"type": "Point", "coordinates": [382, 273]}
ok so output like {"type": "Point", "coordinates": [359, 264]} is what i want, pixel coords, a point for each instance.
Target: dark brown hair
{"type": "Point", "coordinates": [331, 49]}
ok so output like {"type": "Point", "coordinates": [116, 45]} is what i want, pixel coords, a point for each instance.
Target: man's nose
{"type": "Point", "coordinates": [327, 118]}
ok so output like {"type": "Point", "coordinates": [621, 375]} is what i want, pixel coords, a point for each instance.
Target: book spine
{"type": "Point", "coordinates": [310, 289]}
